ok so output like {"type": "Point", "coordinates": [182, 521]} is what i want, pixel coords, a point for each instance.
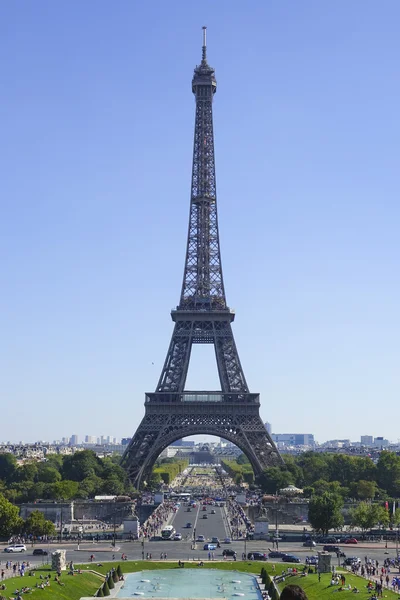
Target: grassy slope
{"type": "Point", "coordinates": [74, 588]}
{"type": "Point", "coordinates": [87, 583]}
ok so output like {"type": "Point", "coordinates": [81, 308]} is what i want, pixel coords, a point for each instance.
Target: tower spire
{"type": "Point", "coordinates": [204, 48]}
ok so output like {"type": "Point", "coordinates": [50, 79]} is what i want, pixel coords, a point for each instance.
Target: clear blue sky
{"type": "Point", "coordinates": [97, 123]}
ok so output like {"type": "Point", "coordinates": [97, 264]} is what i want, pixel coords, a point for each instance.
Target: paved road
{"type": "Point", "coordinates": [215, 525]}
{"type": "Point", "coordinates": [182, 550]}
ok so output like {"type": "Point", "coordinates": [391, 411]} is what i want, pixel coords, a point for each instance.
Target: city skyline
{"type": "Point", "coordinates": [95, 201]}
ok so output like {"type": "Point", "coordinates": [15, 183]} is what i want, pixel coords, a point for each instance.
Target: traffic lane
{"type": "Point", "coordinates": [182, 518]}
{"type": "Point", "coordinates": [213, 525]}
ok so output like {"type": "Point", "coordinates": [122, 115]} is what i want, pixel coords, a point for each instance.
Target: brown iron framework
{"type": "Point", "coordinates": [202, 317]}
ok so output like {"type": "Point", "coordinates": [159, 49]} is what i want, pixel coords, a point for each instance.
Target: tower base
{"type": "Point", "coordinates": [172, 416]}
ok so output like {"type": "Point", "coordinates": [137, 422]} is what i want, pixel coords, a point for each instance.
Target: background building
{"type": "Point", "coordinates": [294, 439]}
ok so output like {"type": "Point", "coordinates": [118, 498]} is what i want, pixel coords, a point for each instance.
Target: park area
{"type": "Point", "coordinates": [89, 578]}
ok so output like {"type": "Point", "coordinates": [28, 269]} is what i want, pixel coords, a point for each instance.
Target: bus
{"type": "Point", "coordinates": [168, 532]}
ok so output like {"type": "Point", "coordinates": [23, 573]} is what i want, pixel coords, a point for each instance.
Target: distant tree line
{"type": "Point", "coordinates": [77, 476]}
{"type": "Point", "coordinates": [351, 477]}
{"type": "Point", "coordinates": [328, 480]}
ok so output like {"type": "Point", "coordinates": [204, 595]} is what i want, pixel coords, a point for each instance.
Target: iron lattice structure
{"type": "Point", "coordinates": [202, 317]}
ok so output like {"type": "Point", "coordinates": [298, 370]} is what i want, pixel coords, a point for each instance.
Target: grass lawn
{"type": "Point", "coordinates": [87, 583]}
{"type": "Point", "coordinates": [75, 587]}
{"type": "Point", "coordinates": [323, 590]}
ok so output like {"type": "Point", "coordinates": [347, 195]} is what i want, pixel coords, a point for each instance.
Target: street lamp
{"type": "Point", "coordinates": [142, 546]}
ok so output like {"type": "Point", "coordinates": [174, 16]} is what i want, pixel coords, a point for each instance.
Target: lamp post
{"type": "Point", "coordinates": [142, 546]}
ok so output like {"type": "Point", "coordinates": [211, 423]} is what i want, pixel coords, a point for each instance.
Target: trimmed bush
{"type": "Point", "coordinates": [106, 589]}
{"type": "Point", "coordinates": [100, 593]}
{"type": "Point", "coordinates": [115, 576]}
{"type": "Point", "coordinates": [119, 571]}
{"type": "Point", "coordinates": [110, 582]}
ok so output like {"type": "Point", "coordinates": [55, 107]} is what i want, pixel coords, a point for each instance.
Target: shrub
{"type": "Point", "coordinates": [106, 589]}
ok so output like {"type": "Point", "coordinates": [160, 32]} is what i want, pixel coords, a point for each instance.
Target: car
{"type": "Point", "coordinates": [228, 552]}
{"type": "Point", "coordinates": [188, 525]}
{"type": "Point", "coordinates": [276, 554]}
{"type": "Point", "coordinates": [351, 541]}
{"type": "Point", "coordinates": [309, 544]}
{"type": "Point", "coordinates": [16, 548]}
{"type": "Point", "coordinates": [201, 538]}
{"type": "Point", "coordinates": [335, 549]}
{"type": "Point", "coordinates": [311, 560]}
{"type": "Point", "coordinates": [213, 512]}
{"type": "Point", "coordinates": [291, 558]}
{"type": "Point", "coordinates": [351, 560]}
{"type": "Point", "coordinates": [256, 556]}
{"type": "Point", "coordinates": [209, 547]}
{"type": "Point", "coordinates": [204, 508]}
{"type": "Point", "coordinates": [188, 509]}
{"type": "Point", "coordinates": [205, 516]}
{"type": "Point", "coordinates": [227, 540]}
{"type": "Point", "coordinates": [177, 537]}
{"type": "Point", "coordinates": [40, 552]}
{"type": "Point", "coordinates": [215, 540]}
{"type": "Point", "coordinates": [327, 540]}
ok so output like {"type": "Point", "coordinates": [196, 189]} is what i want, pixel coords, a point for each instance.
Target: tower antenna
{"type": "Point", "coordinates": [204, 49]}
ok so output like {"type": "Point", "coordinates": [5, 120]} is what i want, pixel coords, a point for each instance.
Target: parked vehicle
{"type": "Point", "coordinates": [257, 556]}
{"type": "Point", "coordinates": [309, 544]}
{"type": "Point", "coordinates": [276, 554]}
{"type": "Point", "coordinates": [177, 537]}
{"type": "Point", "coordinates": [311, 560]}
{"type": "Point", "coordinates": [228, 552]}
{"type": "Point", "coordinates": [40, 552]}
{"type": "Point", "coordinates": [209, 547]}
{"type": "Point", "coordinates": [351, 541]}
{"type": "Point", "coordinates": [201, 538]}
{"type": "Point", "coordinates": [351, 560]}
{"type": "Point", "coordinates": [335, 549]}
{"type": "Point", "coordinates": [15, 548]}
{"type": "Point", "coordinates": [291, 558]}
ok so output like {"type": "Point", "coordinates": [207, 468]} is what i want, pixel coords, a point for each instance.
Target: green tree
{"type": "Point", "coordinates": [48, 474]}
{"type": "Point", "coordinates": [80, 465]}
{"type": "Point", "coordinates": [65, 490]}
{"type": "Point", "coordinates": [294, 468]}
{"type": "Point", "coordinates": [10, 521]}
{"type": "Point", "coordinates": [242, 460]}
{"type": "Point", "coordinates": [106, 589]}
{"type": "Point", "coordinates": [314, 466]}
{"type": "Point", "coordinates": [36, 524]}
{"type": "Point", "coordinates": [367, 515]}
{"type": "Point", "coordinates": [26, 472]}
{"type": "Point", "coordinates": [273, 479]}
{"type": "Point", "coordinates": [366, 490]}
{"type": "Point", "coordinates": [362, 516]}
{"type": "Point", "coordinates": [8, 467]}
{"type": "Point", "coordinates": [395, 518]}
{"type": "Point", "coordinates": [324, 512]}
{"type": "Point", "coordinates": [388, 473]}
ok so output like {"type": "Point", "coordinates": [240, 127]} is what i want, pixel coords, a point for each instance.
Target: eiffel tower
{"type": "Point", "coordinates": [202, 317]}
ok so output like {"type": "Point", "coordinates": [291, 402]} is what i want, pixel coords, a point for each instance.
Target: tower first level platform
{"type": "Point", "coordinates": [171, 416]}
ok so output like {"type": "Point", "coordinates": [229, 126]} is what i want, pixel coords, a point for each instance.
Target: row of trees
{"type": "Point", "coordinates": [80, 475]}
{"type": "Point", "coordinates": [11, 523]}
{"type": "Point", "coordinates": [348, 476]}
{"type": "Point", "coordinates": [325, 512]}
{"type": "Point", "coordinates": [240, 471]}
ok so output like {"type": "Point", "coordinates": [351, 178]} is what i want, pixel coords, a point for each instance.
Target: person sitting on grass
{"type": "Point", "coordinates": [293, 592]}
